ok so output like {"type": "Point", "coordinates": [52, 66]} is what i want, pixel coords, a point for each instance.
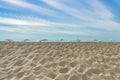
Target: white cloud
{"type": "Point", "coordinates": [29, 30]}
{"type": "Point", "coordinates": [37, 25]}
{"type": "Point", "coordinates": [8, 7]}
{"type": "Point", "coordinates": [97, 16]}
{"type": "Point", "coordinates": [34, 21]}
{"type": "Point", "coordinates": [100, 9]}
{"type": "Point", "coordinates": [10, 29]}
{"type": "Point", "coordinates": [12, 21]}
{"type": "Point", "coordinates": [68, 9]}
{"type": "Point", "coordinates": [30, 6]}
{"type": "Point", "coordinates": [108, 25]}
{"type": "Point", "coordinates": [83, 13]}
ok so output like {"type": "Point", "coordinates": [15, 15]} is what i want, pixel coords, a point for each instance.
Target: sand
{"type": "Point", "coordinates": [59, 61]}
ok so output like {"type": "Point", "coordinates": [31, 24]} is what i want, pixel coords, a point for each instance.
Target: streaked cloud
{"type": "Point", "coordinates": [30, 6]}
{"type": "Point", "coordinates": [13, 21]}
{"type": "Point", "coordinates": [100, 9]}
{"type": "Point", "coordinates": [97, 11]}
{"type": "Point", "coordinates": [98, 16]}
{"type": "Point", "coordinates": [73, 17]}
{"type": "Point", "coordinates": [31, 30]}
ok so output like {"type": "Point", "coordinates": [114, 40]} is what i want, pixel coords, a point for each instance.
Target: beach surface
{"type": "Point", "coordinates": [59, 61]}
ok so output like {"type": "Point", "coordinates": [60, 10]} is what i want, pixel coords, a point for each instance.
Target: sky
{"type": "Point", "coordinates": [60, 19]}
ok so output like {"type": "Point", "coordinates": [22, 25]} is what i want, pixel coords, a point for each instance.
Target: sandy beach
{"type": "Point", "coordinates": [59, 61]}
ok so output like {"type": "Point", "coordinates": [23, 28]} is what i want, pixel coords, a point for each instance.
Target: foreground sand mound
{"type": "Point", "coordinates": [59, 61]}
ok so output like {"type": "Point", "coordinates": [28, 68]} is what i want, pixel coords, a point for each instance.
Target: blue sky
{"type": "Point", "coordinates": [56, 19]}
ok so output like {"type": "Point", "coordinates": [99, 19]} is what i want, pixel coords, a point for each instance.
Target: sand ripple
{"type": "Point", "coordinates": [60, 61]}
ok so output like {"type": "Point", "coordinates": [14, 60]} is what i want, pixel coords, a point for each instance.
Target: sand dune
{"type": "Point", "coordinates": [59, 61]}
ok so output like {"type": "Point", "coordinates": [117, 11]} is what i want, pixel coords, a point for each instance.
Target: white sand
{"type": "Point", "coordinates": [59, 61]}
